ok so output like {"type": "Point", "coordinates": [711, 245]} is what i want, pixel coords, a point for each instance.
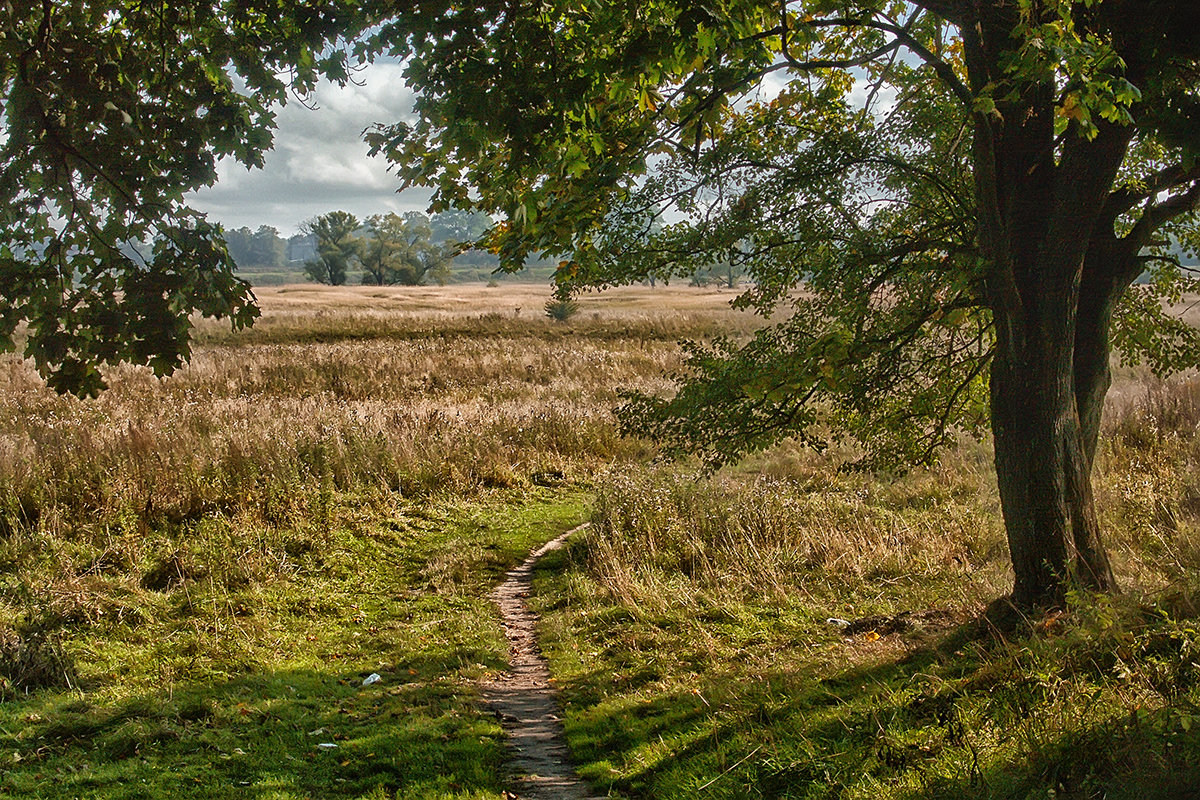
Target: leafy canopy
{"type": "Point", "coordinates": [111, 112]}
{"type": "Point", "coordinates": [825, 148]}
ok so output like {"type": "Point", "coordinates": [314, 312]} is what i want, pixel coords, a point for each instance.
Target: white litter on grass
{"type": "Point", "coordinates": [374, 677]}
{"type": "Point", "coordinates": [837, 622]}
{"type": "Point", "coordinates": [327, 745]}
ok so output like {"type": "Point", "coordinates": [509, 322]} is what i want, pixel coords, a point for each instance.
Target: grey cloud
{"type": "Point", "coordinates": [319, 162]}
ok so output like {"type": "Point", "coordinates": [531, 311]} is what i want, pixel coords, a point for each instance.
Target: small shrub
{"type": "Point", "coordinates": [560, 309]}
{"type": "Point", "coordinates": [31, 660]}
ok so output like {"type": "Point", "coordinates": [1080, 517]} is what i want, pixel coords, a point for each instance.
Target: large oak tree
{"type": "Point", "coordinates": [965, 190]}
{"type": "Point", "coordinates": [110, 112]}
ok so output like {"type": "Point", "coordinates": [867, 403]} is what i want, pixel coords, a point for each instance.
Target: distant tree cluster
{"type": "Point", "coordinates": [389, 249]}
{"type": "Point", "coordinates": [384, 249]}
{"type": "Point", "coordinates": [261, 248]}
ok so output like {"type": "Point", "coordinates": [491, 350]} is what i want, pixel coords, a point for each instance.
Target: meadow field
{"type": "Point", "coordinates": [196, 574]}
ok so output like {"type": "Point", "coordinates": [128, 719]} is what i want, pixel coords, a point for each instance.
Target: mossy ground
{"type": "Point", "coordinates": [196, 575]}
{"type": "Point", "coordinates": [220, 692]}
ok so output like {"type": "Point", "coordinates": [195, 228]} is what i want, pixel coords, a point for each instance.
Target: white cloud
{"type": "Point", "coordinates": [319, 162]}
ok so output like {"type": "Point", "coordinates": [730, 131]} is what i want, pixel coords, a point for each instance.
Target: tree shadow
{"type": "Point", "coordinates": [904, 722]}
{"type": "Point", "coordinates": [279, 734]}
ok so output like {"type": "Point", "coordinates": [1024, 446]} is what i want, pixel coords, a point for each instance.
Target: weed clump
{"type": "Point", "coordinates": [32, 659]}
{"type": "Point", "coordinates": [561, 309]}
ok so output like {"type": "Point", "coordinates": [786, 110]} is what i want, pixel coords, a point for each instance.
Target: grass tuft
{"type": "Point", "coordinates": [33, 659]}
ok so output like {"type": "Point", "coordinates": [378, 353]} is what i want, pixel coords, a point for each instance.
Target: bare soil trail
{"type": "Point", "coordinates": [524, 700]}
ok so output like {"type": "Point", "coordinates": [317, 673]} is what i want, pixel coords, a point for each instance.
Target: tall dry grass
{"type": "Point", "coordinates": [316, 314]}
{"type": "Point", "coordinates": [791, 525]}
{"type": "Point", "coordinates": [1148, 487]}
{"type": "Point", "coordinates": [408, 395]}
{"type": "Point", "coordinates": [662, 538]}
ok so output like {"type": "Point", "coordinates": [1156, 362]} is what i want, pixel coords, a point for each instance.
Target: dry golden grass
{"type": "Point", "coordinates": [461, 388]}
{"type": "Point", "coordinates": [371, 390]}
{"type": "Point", "coordinates": [339, 407]}
{"type": "Point", "coordinates": [313, 313]}
{"type": "Point", "coordinates": [467, 299]}
{"type": "Point", "coordinates": [789, 525]}
{"type": "Point", "coordinates": [793, 529]}
{"type": "Point", "coordinates": [347, 389]}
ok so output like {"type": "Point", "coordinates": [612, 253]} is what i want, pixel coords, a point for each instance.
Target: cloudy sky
{"type": "Point", "coordinates": [320, 162]}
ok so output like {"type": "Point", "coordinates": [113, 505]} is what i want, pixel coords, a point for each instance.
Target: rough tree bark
{"type": "Point", "coordinates": [1049, 376]}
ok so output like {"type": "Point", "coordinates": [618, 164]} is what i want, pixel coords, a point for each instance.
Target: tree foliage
{"type": "Point", "coordinates": [111, 113]}
{"type": "Point", "coordinates": [950, 201]}
{"type": "Point", "coordinates": [338, 246]}
{"type": "Point", "coordinates": [874, 218]}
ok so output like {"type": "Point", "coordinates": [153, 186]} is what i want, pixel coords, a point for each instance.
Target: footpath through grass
{"type": "Point", "coordinates": [690, 634]}
{"type": "Point", "coordinates": [203, 682]}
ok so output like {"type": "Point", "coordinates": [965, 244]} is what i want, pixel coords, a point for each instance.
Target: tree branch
{"type": "Point", "coordinates": [1155, 216]}
{"type": "Point", "coordinates": [940, 67]}
{"type": "Point", "coordinates": [1126, 199]}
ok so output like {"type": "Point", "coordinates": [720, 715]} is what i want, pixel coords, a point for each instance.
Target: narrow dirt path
{"type": "Point", "coordinates": [524, 700]}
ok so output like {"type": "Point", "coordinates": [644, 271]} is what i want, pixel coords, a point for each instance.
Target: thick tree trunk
{"type": "Point", "coordinates": [1110, 268]}
{"type": "Point", "coordinates": [1043, 455]}
{"type": "Point", "coordinates": [1037, 215]}
{"type": "Point", "coordinates": [1029, 425]}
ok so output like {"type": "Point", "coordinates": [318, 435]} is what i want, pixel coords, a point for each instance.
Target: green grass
{"type": "Point", "coordinates": [688, 632]}
{"type": "Point", "coordinates": [225, 686]}
{"type": "Point", "coordinates": [766, 704]}
{"type": "Point", "coordinates": [196, 574]}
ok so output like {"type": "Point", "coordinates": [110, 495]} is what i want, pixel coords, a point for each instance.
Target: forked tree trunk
{"type": "Point", "coordinates": [1045, 421]}
{"type": "Point", "coordinates": [1049, 375]}
{"type": "Point", "coordinates": [1049, 379]}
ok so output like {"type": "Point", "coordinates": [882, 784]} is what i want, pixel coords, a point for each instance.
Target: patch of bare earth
{"type": "Point", "coordinates": [526, 703]}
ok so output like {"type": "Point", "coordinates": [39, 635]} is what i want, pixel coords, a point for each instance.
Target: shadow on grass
{"type": "Point", "coordinates": [954, 717]}
{"type": "Point", "coordinates": [283, 734]}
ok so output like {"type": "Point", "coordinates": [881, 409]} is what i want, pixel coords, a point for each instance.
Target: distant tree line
{"type": "Point", "coordinates": [260, 248]}
{"type": "Point", "coordinates": [384, 249]}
